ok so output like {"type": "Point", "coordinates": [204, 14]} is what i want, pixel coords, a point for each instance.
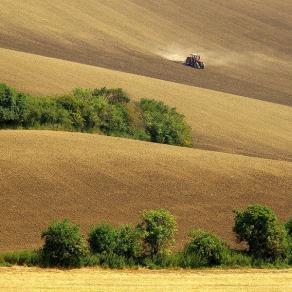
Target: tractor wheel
{"type": "Point", "coordinates": [188, 61]}
{"type": "Point", "coordinates": [197, 65]}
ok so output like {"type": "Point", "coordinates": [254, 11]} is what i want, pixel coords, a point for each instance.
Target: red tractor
{"type": "Point", "coordinates": [195, 61]}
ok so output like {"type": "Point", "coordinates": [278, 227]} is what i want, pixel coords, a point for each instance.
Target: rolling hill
{"type": "Point", "coordinates": [220, 121]}
{"type": "Point", "coordinates": [247, 45]}
{"type": "Point", "coordinates": [92, 178]}
{"type": "Point", "coordinates": [239, 109]}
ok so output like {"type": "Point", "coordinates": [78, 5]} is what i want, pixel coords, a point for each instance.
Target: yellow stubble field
{"type": "Point", "coordinates": [36, 279]}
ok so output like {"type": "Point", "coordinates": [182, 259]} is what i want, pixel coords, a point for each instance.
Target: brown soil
{"type": "Point", "coordinates": [91, 178]}
{"type": "Point", "coordinates": [219, 121]}
{"type": "Point", "coordinates": [247, 46]}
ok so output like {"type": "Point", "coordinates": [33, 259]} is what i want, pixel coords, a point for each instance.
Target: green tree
{"type": "Point", "coordinates": [128, 242]}
{"type": "Point", "coordinates": [157, 228]}
{"type": "Point", "coordinates": [208, 248]}
{"type": "Point", "coordinates": [259, 227]}
{"type": "Point", "coordinates": [64, 245]}
{"type": "Point", "coordinates": [12, 106]}
{"type": "Point", "coordinates": [103, 239]}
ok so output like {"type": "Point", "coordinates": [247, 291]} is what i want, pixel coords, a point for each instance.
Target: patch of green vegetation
{"type": "Point", "coordinates": [20, 258]}
{"type": "Point", "coordinates": [208, 249]}
{"type": "Point", "coordinates": [157, 229]}
{"type": "Point", "coordinates": [150, 244]}
{"type": "Point", "coordinates": [107, 111]}
{"type": "Point", "coordinates": [259, 227]}
{"type": "Point", "coordinates": [64, 246]}
{"type": "Point", "coordinates": [164, 125]}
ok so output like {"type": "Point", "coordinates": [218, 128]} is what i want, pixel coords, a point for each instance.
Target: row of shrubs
{"type": "Point", "coordinates": [107, 111]}
{"type": "Point", "coordinates": [150, 243]}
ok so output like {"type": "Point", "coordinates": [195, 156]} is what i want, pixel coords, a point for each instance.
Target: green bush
{"type": "Point", "coordinates": [288, 227]}
{"type": "Point", "coordinates": [63, 246]}
{"type": "Point", "coordinates": [53, 116]}
{"type": "Point", "coordinates": [190, 260]}
{"type": "Point", "coordinates": [115, 248]}
{"type": "Point", "coordinates": [73, 106]}
{"type": "Point", "coordinates": [113, 96]}
{"type": "Point", "coordinates": [83, 93]}
{"type": "Point", "coordinates": [103, 239]}
{"type": "Point", "coordinates": [22, 258]}
{"type": "Point", "coordinates": [12, 106]}
{"type": "Point", "coordinates": [163, 261]}
{"type": "Point", "coordinates": [157, 229]}
{"type": "Point", "coordinates": [149, 244]}
{"type": "Point", "coordinates": [164, 124]}
{"type": "Point", "coordinates": [89, 111]}
{"type": "Point", "coordinates": [289, 256]}
{"type": "Point", "coordinates": [128, 242]}
{"type": "Point", "coordinates": [208, 248]}
{"type": "Point", "coordinates": [237, 259]}
{"type": "Point", "coordinates": [99, 110]}
{"type": "Point", "coordinates": [137, 125]}
{"type": "Point", "coordinates": [113, 261]}
{"type": "Point", "coordinates": [114, 118]}
{"type": "Point", "coordinates": [91, 260]}
{"type": "Point", "coordinates": [259, 228]}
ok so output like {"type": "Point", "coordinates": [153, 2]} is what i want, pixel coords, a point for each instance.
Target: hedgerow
{"type": "Point", "coordinates": [148, 244]}
{"type": "Point", "coordinates": [107, 111]}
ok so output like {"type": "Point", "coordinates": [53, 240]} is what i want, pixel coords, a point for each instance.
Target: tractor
{"type": "Point", "coordinates": [194, 60]}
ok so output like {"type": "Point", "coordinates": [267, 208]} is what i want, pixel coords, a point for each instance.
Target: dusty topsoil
{"type": "Point", "coordinates": [246, 44]}
{"type": "Point", "coordinates": [87, 178]}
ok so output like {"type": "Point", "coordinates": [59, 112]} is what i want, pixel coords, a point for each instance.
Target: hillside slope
{"type": "Point", "coordinates": [219, 121]}
{"type": "Point", "coordinates": [247, 44]}
{"type": "Point", "coordinates": [90, 178]}
{"type": "Point", "coordinates": [240, 106]}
